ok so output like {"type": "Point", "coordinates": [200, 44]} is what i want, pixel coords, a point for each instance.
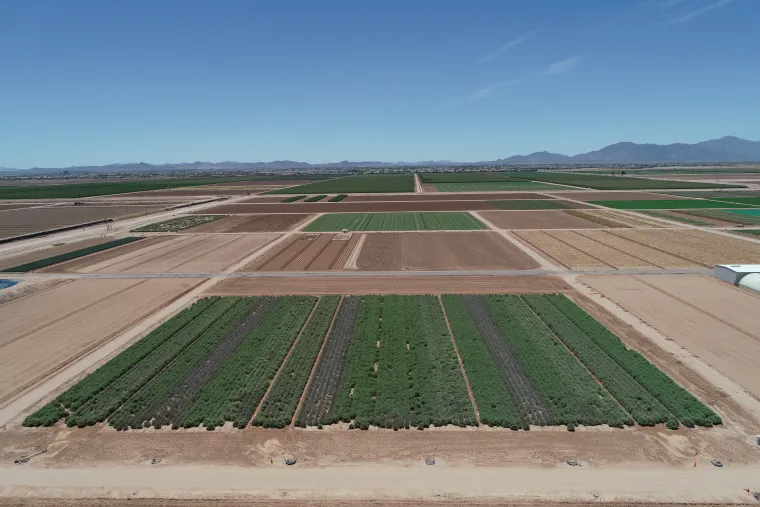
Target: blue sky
{"type": "Point", "coordinates": [98, 82]}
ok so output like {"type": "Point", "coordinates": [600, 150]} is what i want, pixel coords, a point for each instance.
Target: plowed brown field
{"type": "Point", "coordinates": [348, 207]}
{"type": "Point", "coordinates": [440, 251]}
{"type": "Point", "coordinates": [44, 332]}
{"type": "Point", "coordinates": [307, 252]}
{"type": "Point", "coordinates": [652, 256]}
{"type": "Point", "coordinates": [713, 320]}
{"type": "Point", "coordinates": [605, 253]}
{"type": "Point", "coordinates": [174, 254]}
{"type": "Point", "coordinates": [27, 220]}
{"type": "Point", "coordinates": [252, 223]}
{"type": "Point", "coordinates": [23, 258]}
{"type": "Point", "coordinates": [357, 285]}
{"type": "Point", "coordinates": [537, 220]}
{"type": "Point", "coordinates": [561, 252]}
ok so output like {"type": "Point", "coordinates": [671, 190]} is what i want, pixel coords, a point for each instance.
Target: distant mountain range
{"type": "Point", "coordinates": [725, 149]}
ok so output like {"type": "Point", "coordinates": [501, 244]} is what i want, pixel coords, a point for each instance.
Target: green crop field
{"type": "Point", "coordinates": [752, 232]}
{"type": "Point", "coordinates": [468, 177]}
{"type": "Point", "coordinates": [361, 183]}
{"type": "Point", "coordinates": [293, 198]}
{"type": "Point", "coordinates": [601, 182]}
{"type": "Point", "coordinates": [76, 190]}
{"type": "Point", "coordinates": [749, 201]}
{"type": "Point", "coordinates": [56, 259]}
{"type": "Point", "coordinates": [668, 204]}
{"type": "Point", "coordinates": [387, 362]}
{"type": "Point", "coordinates": [409, 221]}
{"type": "Point", "coordinates": [179, 224]}
{"type": "Point", "coordinates": [493, 186]}
{"type": "Point", "coordinates": [525, 204]}
{"type": "Point", "coordinates": [315, 198]}
{"type": "Point", "coordinates": [337, 198]}
{"type": "Point", "coordinates": [720, 195]}
{"type": "Point", "coordinates": [726, 215]}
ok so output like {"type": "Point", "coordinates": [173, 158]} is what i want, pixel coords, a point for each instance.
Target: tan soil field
{"type": "Point", "coordinates": [700, 246]}
{"type": "Point", "coordinates": [307, 252]}
{"type": "Point", "coordinates": [537, 220]}
{"type": "Point", "coordinates": [713, 221]}
{"type": "Point", "coordinates": [605, 253]}
{"type": "Point", "coordinates": [354, 207]}
{"type": "Point", "coordinates": [23, 258]}
{"type": "Point", "coordinates": [174, 254]}
{"type": "Point", "coordinates": [251, 223]}
{"type": "Point", "coordinates": [617, 219]}
{"type": "Point", "coordinates": [440, 251]}
{"type": "Point", "coordinates": [622, 195]}
{"type": "Point", "coordinates": [446, 197]}
{"type": "Point", "coordinates": [48, 330]}
{"type": "Point", "coordinates": [650, 255]}
{"type": "Point", "coordinates": [7, 207]}
{"type": "Point", "coordinates": [561, 252]}
{"type": "Point", "coordinates": [74, 265]}
{"type": "Point", "coordinates": [714, 321]}
{"type": "Point", "coordinates": [28, 220]}
{"type": "Point", "coordinates": [357, 285]}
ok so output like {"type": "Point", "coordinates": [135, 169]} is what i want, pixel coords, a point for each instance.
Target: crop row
{"type": "Point", "coordinates": [280, 404]}
{"type": "Point", "coordinates": [359, 183]}
{"type": "Point", "coordinates": [315, 198]}
{"type": "Point", "coordinates": [179, 224]}
{"type": "Point", "coordinates": [410, 221]}
{"type": "Point", "coordinates": [49, 261]}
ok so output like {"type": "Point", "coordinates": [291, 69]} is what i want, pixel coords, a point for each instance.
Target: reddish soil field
{"type": "Point", "coordinates": [23, 258]}
{"type": "Point", "coordinates": [24, 221]}
{"type": "Point", "coordinates": [613, 196]}
{"type": "Point", "coordinates": [445, 197]}
{"type": "Point", "coordinates": [252, 223]}
{"type": "Point", "coordinates": [348, 207]}
{"type": "Point", "coordinates": [348, 285]}
{"type": "Point", "coordinates": [537, 220]}
{"type": "Point", "coordinates": [440, 251]}
{"type": "Point", "coordinates": [307, 252]}
{"type": "Point", "coordinates": [48, 330]}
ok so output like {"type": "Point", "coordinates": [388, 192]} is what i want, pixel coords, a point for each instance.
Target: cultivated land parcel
{"type": "Point", "coordinates": [493, 322]}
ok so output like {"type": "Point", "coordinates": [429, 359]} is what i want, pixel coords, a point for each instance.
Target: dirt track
{"type": "Point", "coordinates": [252, 223]}
{"type": "Point", "coordinates": [440, 252]}
{"type": "Point", "coordinates": [46, 331]}
{"type": "Point", "coordinates": [716, 322]}
{"type": "Point", "coordinates": [174, 254]}
{"type": "Point", "coordinates": [537, 220]}
{"type": "Point", "coordinates": [358, 285]}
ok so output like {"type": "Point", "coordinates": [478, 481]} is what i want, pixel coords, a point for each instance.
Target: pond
{"type": "Point", "coordinates": [4, 284]}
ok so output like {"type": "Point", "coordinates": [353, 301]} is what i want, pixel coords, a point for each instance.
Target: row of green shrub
{"type": "Point", "coordinates": [49, 261]}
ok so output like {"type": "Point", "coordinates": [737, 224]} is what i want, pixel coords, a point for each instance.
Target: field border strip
{"type": "Point", "coordinates": [459, 359]}
{"type": "Point", "coordinates": [313, 371]}
{"type": "Point", "coordinates": [284, 360]}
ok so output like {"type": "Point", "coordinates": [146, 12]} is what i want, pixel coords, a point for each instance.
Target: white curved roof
{"type": "Point", "coordinates": [751, 281]}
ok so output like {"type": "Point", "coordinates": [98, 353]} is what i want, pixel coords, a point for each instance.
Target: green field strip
{"type": "Point", "coordinates": [681, 403]}
{"type": "Point", "coordinates": [361, 183]}
{"type": "Point", "coordinates": [315, 198]}
{"type": "Point", "coordinates": [495, 403]}
{"type": "Point", "coordinates": [667, 204]}
{"type": "Point", "coordinates": [745, 212]}
{"type": "Point", "coordinates": [574, 395]}
{"type": "Point", "coordinates": [751, 232]}
{"type": "Point", "coordinates": [234, 393]}
{"type": "Point", "coordinates": [513, 185]}
{"type": "Point", "coordinates": [636, 400]}
{"type": "Point", "coordinates": [726, 216]}
{"type": "Point", "coordinates": [533, 204]}
{"type": "Point", "coordinates": [602, 182]}
{"type": "Point", "coordinates": [179, 224]}
{"type": "Point", "coordinates": [108, 400]}
{"type": "Point", "coordinates": [293, 198]}
{"type": "Point", "coordinates": [279, 405]}
{"type": "Point", "coordinates": [56, 259]}
{"type": "Point", "coordinates": [337, 198]}
{"type": "Point", "coordinates": [404, 221]}
{"type": "Point", "coordinates": [464, 177]}
{"type": "Point", "coordinates": [139, 410]}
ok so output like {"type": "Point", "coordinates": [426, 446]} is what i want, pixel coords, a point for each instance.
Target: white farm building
{"type": "Point", "coordinates": [735, 274]}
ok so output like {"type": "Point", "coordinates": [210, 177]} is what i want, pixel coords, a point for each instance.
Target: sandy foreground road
{"type": "Point", "coordinates": [700, 484]}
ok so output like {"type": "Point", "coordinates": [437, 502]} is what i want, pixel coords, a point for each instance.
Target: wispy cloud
{"type": "Point", "coordinates": [509, 45]}
{"type": "Point", "coordinates": [490, 90]}
{"type": "Point", "coordinates": [693, 14]}
{"type": "Point", "coordinates": [562, 66]}
{"type": "Point", "coordinates": [623, 16]}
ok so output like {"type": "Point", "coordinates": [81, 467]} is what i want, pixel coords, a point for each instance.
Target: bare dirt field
{"type": "Point", "coordinates": [446, 197]}
{"type": "Point", "coordinates": [621, 195]}
{"type": "Point", "coordinates": [307, 252]}
{"type": "Point", "coordinates": [561, 252]}
{"type": "Point", "coordinates": [186, 192]}
{"type": "Point", "coordinates": [351, 207]}
{"type": "Point", "coordinates": [46, 331]}
{"type": "Point", "coordinates": [252, 223]}
{"type": "Point", "coordinates": [714, 321]}
{"type": "Point", "coordinates": [616, 219]}
{"type": "Point", "coordinates": [357, 285]}
{"type": "Point", "coordinates": [172, 254]}
{"type": "Point", "coordinates": [537, 220]}
{"type": "Point", "coordinates": [6, 207]}
{"type": "Point", "coordinates": [713, 221]}
{"type": "Point", "coordinates": [23, 258]}
{"type": "Point", "coordinates": [27, 220]}
{"type": "Point", "coordinates": [440, 251]}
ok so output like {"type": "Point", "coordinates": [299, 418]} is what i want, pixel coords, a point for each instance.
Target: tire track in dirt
{"type": "Point", "coordinates": [327, 258]}
{"type": "Point", "coordinates": [353, 257]}
{"type": "Point", "coordinates": [311, 252]}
